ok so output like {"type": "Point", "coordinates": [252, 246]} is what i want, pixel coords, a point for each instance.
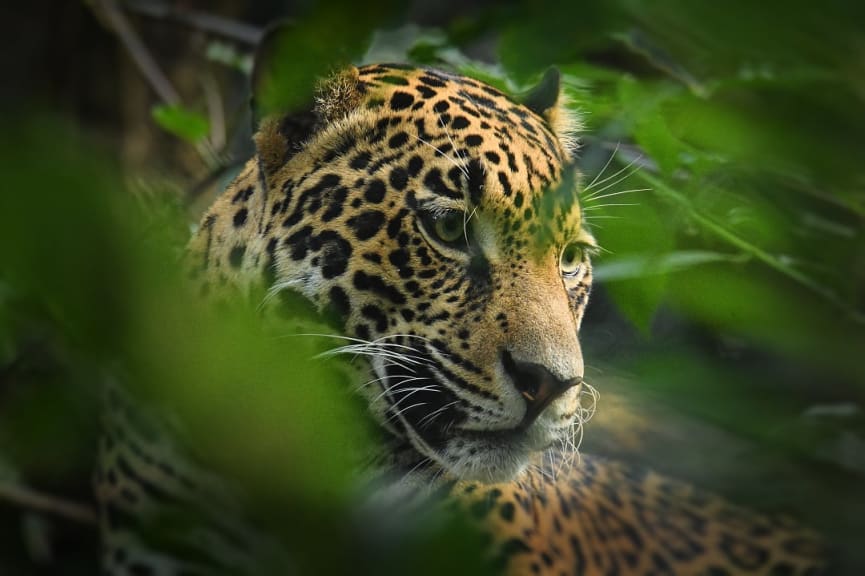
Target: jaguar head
{"type": "Point", "coordinates": [440, 219]}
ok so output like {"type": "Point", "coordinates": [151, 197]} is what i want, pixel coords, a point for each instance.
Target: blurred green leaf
{"type": "Point", "coordinates": [642, 44]}
{"type": "Point", "coordinates": [715, 40]}
{"type": "Point", "coordinates": [60, 243]}
{"type": "Point", "coordinates": [773, 261]}
{"type": "Point", "coordinates": [537, 35]}
{"type": "Point", "coordinates": [640, 266]}
{"type": "Point", "coordinates": [254, 406]}
{"type": "Point", "coordinates": [182, 122]}
{"type": "Point", "coordinates": [228, 55]}
{"type": "Point", "coordinates": [641, 104]}
{"type": "Point", "coordinates": [397, 44]}
{"type": "Point", "coordinates": [298, 55]}
{"type": "Point", "coordinates": [754, 302]}
{"type": "Point", "coordinates": [631, 233]}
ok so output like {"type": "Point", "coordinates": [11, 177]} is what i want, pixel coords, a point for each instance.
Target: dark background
{"type": "Point", "coordinates": [727, 330]}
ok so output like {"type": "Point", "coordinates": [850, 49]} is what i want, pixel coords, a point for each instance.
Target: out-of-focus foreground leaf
{"type": "Point", "coordinates": [98, 284]}
{"type": "Point", "coordinates": [292, 61]}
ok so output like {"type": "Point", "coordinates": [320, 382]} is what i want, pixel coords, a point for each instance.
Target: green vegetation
{"type": "Point", "coordinates": [724, 179]}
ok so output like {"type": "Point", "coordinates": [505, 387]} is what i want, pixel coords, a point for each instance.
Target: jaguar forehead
{"type": "Point", "coordinates": [557, 209]}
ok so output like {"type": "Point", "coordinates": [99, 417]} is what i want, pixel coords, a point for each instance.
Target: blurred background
{"type": "Point", "coordinates": [724, 171]}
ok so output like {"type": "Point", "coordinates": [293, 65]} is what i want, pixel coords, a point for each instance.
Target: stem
{"type": "Point", "coordinates": [664, 191]}
{"type": "Point", "coordinates": [211, 23]}
{"type": "Point", "coordinates": [138, 52]}
{"type": "Point", "coordinates": [148, 67]}
{"type": "Point", "coordinates": [33, 500]}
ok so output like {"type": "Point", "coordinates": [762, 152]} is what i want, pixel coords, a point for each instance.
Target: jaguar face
{"type": "Point", "coordinates": [488, 370]}
{"type": "Point", "coordinates": [442, 223]}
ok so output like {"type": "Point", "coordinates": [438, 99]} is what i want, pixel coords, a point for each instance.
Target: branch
{"type": "Point", "coordinates": [215, 111]}
{"type": "Point", "coordinates": [231, 29]}
{"type": "Point", "coordinates": [146, 64]}
{"type": "Point", "coordinates": [39, 502]}
{"type": "Point", "coordinates": [138, 51]}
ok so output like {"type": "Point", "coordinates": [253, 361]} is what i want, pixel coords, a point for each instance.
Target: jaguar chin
{"type": "Point", "coordinates": [502, 455]}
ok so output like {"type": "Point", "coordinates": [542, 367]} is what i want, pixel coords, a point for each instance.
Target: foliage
{"type": "Point", "coordinates": [721, 175]}
{"type": "Point", "coordinates": [110, 301]}
{"type": "Point", "coordinates": [183, 123]}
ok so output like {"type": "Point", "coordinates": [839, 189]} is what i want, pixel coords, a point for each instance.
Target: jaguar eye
{"type": "Point", "coordinates": [448, 226]}
{"type": "Point", "coordinates": [571, 259]}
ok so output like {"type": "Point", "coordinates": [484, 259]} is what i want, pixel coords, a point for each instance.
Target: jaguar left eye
{"type": "Point", "coordinates": [571, 259]}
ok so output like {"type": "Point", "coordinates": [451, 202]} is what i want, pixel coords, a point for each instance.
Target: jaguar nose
{"type": "Point", "coordinates": [536, 384]}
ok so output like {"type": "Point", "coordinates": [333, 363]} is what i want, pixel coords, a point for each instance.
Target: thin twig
{"type": "Point", "coordinates": [150, 69]}
{"type": "Point", "coordinates": [215, 111]}
{"type": "Point", "coordinates": [33, 500]}
{"type": "Point", "coordinates": [225, 27]}
{"type": "Point", "coordinates": [138, 52]}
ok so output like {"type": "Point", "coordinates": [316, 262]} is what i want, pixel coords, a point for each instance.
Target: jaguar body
{"type": "Point", "coordinates": [439, 219]}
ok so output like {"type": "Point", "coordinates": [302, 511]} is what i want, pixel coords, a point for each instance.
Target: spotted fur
{"type": "Point", "coordinates": [475, 358]}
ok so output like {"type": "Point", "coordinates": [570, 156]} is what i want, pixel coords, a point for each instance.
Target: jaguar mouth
{"type": "Point", "coordinates": [519, 439]}
{"type": "Point", "coordinates": [417, 400]}
{"type": "Point", "coordinates": [434, 420]}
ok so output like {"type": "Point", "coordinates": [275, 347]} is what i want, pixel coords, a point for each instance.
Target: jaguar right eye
{"type": "Point", "coordinates": [446, 226]}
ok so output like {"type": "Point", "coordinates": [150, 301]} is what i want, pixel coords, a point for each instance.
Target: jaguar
{"type": "Point", "coordinates": [439, 219]}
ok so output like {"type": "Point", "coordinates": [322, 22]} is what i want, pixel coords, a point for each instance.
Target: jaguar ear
{"type": "Point", "coordinates": [338, 95]}
{"type": "Point", "coordinates": [544, 97]}
{"type": "Point", "coordinates": [280, 85]}
{"type": "Point", "coordinates": [281, 136]}
{"type": "Point", "coordinates": [284, 112]}
{"type": "Point", "coordinates": [548, 100]}
{"type": "Point", "coordinates": [278, 138]}
{"type": "Point", "coordinates": [278, 124]}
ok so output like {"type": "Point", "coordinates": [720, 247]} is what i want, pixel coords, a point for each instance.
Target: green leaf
{"type": "Point", "coordinates": [62, 272]}
{"type": "Point", "coordinates": [290, 63]}
{"type": "Point", "coordinates": [408, 41]}
{"type": "Point", "coordinates": [642, 265]}
{"type": "Point", "coordinates": [646, 108]}
{"type": "Point", "coordinates": [228, 55]}
{"type": "Point", "coordinates": [751, 301]}
{"type": "Point", "coordinates": [644, 45]}
{"type": "Point", "coordinates": [183, 123]}
{"type": "Point", "coordinates": [540, 34]}
{"type": "Point", "coordinates": [634, 238]}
